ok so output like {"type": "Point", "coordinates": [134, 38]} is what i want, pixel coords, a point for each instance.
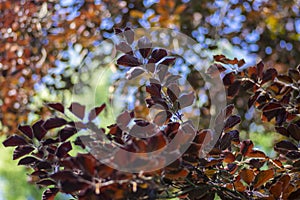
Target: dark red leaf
{"type": "Point", "coordinates": [260, 69]}
{"type": "Point", "coordinates": [294, 74]}
{"type": "Point", "coordinates": [228, 110]}
{"type": "Point", "coordinates": [26, 130]}
{"type": "Point", "coordinates": [294, 131]}
{"type": "Point", "coordinates": [21, 151]}
{"type": "Point", "coordinates": [158, 54]}
{"type": "Point", "coordinates": [66, 133]}
{"type": "Point", "coordinates": [282, 131]}
{"type": "Point", "coordinates": [95, 112]}
{"type": "Point", "coordinates": [294, 195]}
{"type": "Point", "coordinates": [57, 106]}
{"type": "Point", "coordinates": [294, 155]}
{"type": "Point", "coordinates": [144, 46]}
{"type": "Point", "coordinates": [27, 160]}
{"type": "Point", "coordinates": [14, 140]}
{"type": "Point", "coordinates": [63, 149]}
{"type": "Point", "coordinates": [168, 61]}
{"type": "Point", "coordinates": [232, 121]}
{"type": "Point", "coordinates": [285, 78]}
{"type": "Point", "coordinates": [128, 61]}
{"type": "Point", "coordinates": [78, 110]}
{"type": "Point", "coordinates": [154, 89]}
{"type": "Point", "coordinates": [46, 182]}
{"type": "Point", "coordinates": [50, 194]}
{"type": "Point", "coordinates": [228, 79]}
{"type": "Point", "coordinates": [54, 123]}
{"type": "Point", "coordinates": [50, 141]}
{"type": "Point", "coordinates": [124, 47]}
{"type": "Point", "coordinates": [71, 187]}
{"type": "Point", "coordinates": [234, 89]}
{"type": "Point", "coordinates": [129, 35]}
{"type": "Point", "coordinates": [285, 145]}
{"type": "Point", "coordinates": [64, 175]}
{"type": "Point", "coordinates": [43, 165]}
{"type": "Point", "coordinates": [252, 99]}
{"type": "Point", "coordinates": [38, 129]}
{"type": "Point", "coordinates": [269, 75]}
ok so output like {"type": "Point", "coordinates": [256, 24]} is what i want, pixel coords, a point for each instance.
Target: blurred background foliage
{"type": "Point", "coordinates": [45, 44]}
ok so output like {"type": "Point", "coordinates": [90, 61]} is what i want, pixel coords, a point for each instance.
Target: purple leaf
{"type": "Point", "coordinates": [21, 151]}
{"type": "Point", "coordinates": [27, 160]}
{"type": "Point", "coordinates": [232, 121]}
{"type": "Point", "coordinates": [96, 111]}
{"type": "Point", "coordinates": [14, 140]}
{"type": "Point", "coordinates": [26, 130]}
{"type": "Point", "coordinates": [63, 149]}
{"type": "Point", "coordinates": [144, 46]}
{"type": "Point", "coordinates": [77, 109]}
{"type": "Point", "coordinates": [128, 61]}
{"type": "Point", "coordinates": [54, 123]}
{"type": "Point", "coordinates": [158, 54]}
{"type": "Point", "coordinates": [46, 182]}
{"type": "Point", "coordinates": [57, 106]}
{"type": "Point", "coordinates": [168, 61]}
{"type": "Point", "coordinates": [38, 130]}
{"type": "Point", "coordinates": [66, 133]}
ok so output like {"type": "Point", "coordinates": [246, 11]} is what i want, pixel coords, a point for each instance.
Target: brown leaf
{"type": "Point", "coordinates": [262, 177]}
{"type": "Point", "coordinates": [247, 175]}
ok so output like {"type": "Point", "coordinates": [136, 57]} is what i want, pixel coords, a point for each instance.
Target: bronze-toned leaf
{"type": "Point", "coordinates": [247, 175]}
{"type": "Point", "coordinates": [262, 177]}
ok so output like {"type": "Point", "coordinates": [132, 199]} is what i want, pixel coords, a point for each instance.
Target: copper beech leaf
{"type": "Point", "coordinates": [232, 121]}
{"type": "Point", "coordinates": [128, 61]}
{"type": "Point", "coordinates": [14, 140]}
{"type": "Point", "coordinates": [247, 175]}
{"type": "Point", "coordinates": [57, 106]}
{"type": "Point", "coordinates": [262, 177]}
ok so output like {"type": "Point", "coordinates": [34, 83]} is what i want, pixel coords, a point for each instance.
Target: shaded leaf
{"type": "Point", "coordinates": [27, 160]}
{"type": "Point", "coordinates": [63, 149]}
{"type": "Point", "coordinates": [294, 131]}
{"type": "Point", "coordinates": [57, 106]}
{"type": "Point", "coordinates": [14, 140]}
{"type": "Point", "coordinates": [38, 129]}
{"type": "Point", "coordinates": [128, 61]}
{"type": "Point", "coordinates": [158, 54]}
{"type": "Point", "coordinates": [66, 133]}
{"type": "Point", "coordinates": [233, 89]}
{"type": "Point", "coordinates": [26, 130]}
{"type": "Point", "coordinates": [21, 151]}
{"type": "Point", "coordinates": [54, 123]}
{"type": "Point", "coordinates": [232, 121]}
